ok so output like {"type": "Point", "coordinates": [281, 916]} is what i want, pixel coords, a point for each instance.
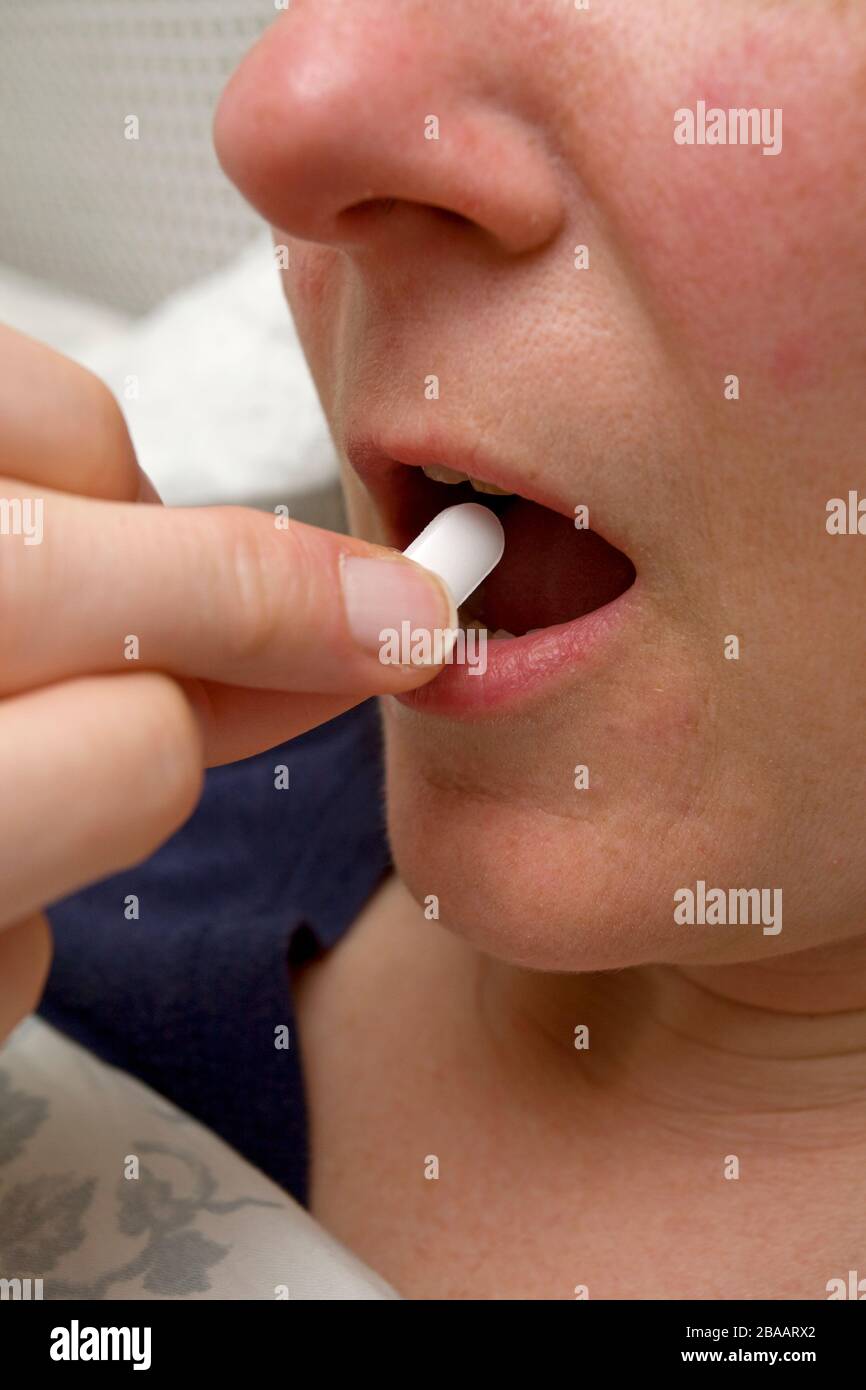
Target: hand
{"type": "Point", "coordinates": [140, 644]}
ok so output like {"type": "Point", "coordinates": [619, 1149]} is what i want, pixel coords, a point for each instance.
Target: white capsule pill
{"type": "Point", "coordinates": [462, 545]}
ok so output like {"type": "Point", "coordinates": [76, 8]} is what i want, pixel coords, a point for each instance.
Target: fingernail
{"type": "Point", "coordinates": [381, 595]}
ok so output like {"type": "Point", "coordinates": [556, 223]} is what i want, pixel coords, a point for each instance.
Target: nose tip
{"type": "Point", "coordinates": [325, 129]}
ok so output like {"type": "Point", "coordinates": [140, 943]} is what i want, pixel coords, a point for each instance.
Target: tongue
{"type": "Point", "coordinates": [550, 572]}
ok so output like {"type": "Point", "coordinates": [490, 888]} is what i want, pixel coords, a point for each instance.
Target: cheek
{"type": "Point", "coordinates": [363, 518]}
{"type": "Point", "coordinates": [795, 366]}
{"type": "Point", "coordinates": [311, 284]}
{"type": "Point", "coordinates": [760, 261]}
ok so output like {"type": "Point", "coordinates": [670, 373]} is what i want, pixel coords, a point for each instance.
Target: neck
{"type": "Point", "coordinates": [777, 1047]}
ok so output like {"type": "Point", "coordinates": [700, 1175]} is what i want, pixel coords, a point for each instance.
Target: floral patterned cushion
{"type": "Point", "coordinates": [107, 1191]}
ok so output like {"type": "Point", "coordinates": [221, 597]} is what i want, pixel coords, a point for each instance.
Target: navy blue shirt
{"type": "Point", "coordinates": [189, 996]}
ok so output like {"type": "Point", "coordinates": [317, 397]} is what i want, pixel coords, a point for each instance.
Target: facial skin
{"type": "Point", "coordinates": [556, 130]}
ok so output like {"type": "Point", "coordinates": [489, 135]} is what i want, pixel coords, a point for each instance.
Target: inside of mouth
{"type": "Point", "coordinates": [551, 571]}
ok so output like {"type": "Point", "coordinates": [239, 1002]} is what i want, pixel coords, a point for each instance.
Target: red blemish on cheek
{"type": "Point", "coordinates": [794, 366]}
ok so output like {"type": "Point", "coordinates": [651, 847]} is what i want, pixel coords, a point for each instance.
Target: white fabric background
{"type": "Point", "coordinates": [140, 259]}
{"type": "Point", "coordinates": [122, 221]}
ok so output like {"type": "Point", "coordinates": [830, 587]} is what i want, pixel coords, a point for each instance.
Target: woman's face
{"type": "Point", "coordinates": [448, 317]}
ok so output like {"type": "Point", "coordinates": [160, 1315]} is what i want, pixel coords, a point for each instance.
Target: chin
{"type": "Point", "coordinates": [522, 885]}
{"type": "Point", "coordinates": [543, 891]}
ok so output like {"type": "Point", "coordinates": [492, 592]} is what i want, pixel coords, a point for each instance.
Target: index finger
{"type": "Point", "coordinates": [224, 594]}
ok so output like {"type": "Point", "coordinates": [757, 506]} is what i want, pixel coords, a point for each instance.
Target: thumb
{"type": "Point", "coordinates": [25, 957]}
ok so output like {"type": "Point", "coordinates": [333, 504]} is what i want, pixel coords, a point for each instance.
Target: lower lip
{"type": "Point", "coordinates": [521, 670]}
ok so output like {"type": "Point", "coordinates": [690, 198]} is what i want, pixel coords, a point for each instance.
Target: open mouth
{"type": "Point", "coordinates": [553, 571]}
{"type": "Point", "coordinates": [550, 600]}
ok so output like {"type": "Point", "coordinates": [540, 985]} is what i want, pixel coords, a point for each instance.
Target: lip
{"type": "Point", "coordinates": [379, 465]}
{"type": "Point", "coordinates": [521, 670]}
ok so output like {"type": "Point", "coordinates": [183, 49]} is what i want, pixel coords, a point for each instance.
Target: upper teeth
{"type": "Point", "coordinates": [501, 634]}
{"type": "Point", "coordinates": [438, 473]}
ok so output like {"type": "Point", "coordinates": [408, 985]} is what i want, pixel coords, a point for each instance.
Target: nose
{"type": "Point", "coordinates": [346, 124]}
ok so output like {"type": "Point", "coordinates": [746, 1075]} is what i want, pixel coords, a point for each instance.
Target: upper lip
{"type": "Point", "coordinates": [374, 464]}
{"type": "Point", "coordinates": [379, 465]}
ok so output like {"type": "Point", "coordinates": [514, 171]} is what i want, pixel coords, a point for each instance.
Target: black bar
{"type": "Point", "coordinates": [249, 1338]}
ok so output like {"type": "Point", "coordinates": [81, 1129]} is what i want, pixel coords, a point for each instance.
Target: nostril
{"type": "Point", "coordinates": [365, 214]}
{"type": "Point", "coordinates": [369, 208]}
{"type": "Point", "coordinates": [360, 221]}
{"type": "Point", "coordinates": [449, 215]}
